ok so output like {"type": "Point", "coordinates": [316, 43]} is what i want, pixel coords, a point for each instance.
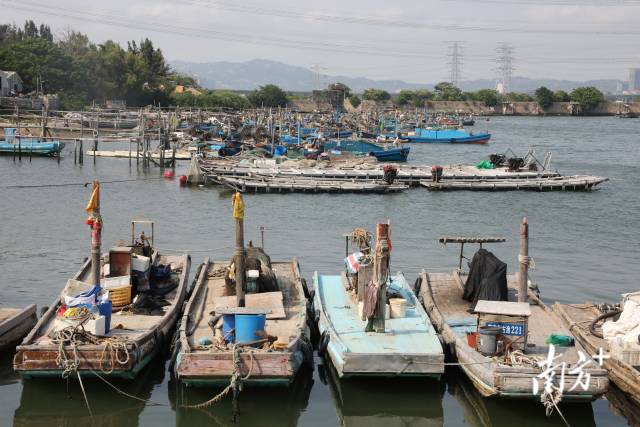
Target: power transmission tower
{"type": "Point", "coordinates": [504, 59]}
{"type": "Point", "coordinates": [317, 68]}
{"type": "Point", "coordinates": [455, 61]}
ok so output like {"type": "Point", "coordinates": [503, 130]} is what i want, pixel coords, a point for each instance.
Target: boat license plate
{"type": "Point", "coordinates": [516, 329]}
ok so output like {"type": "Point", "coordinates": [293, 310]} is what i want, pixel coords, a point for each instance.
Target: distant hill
{"type": "Point", "coordinates": [251, 74]}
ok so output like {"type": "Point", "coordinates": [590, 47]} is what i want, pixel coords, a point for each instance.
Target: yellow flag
{"type": "Point", "coordinates": [94, 201]}
{"type": "Point", "coordinates": [238, 206]}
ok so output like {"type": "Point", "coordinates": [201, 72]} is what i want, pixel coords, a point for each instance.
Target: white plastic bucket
{"type": "Point", "coordinates": [398, 307]}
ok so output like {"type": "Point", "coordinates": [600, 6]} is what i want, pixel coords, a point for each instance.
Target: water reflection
{"type": "Point", "coordinates": [385, 402]}
{"type": "Point", "coordinates": [263, 406]}
{"type": "Point", "coordinates": [620, 404]}
{"type": "Point", "coordinates": [51, 401]}
{"type": "Point", "coordinates": [481, 411]}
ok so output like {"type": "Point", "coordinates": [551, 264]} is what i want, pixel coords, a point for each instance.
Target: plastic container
{"type": "Point", "coordinates": [105, 309]}
{"type": "Point", "coordinates": [228, 325]}
{"type": "Point", "coordinates": [249, 326]}
{"type": "Point", "coordinates": [398, 307]}
{"type": "Point", "coordinates": [472, 339]}
{"type": "Point", "coordinates": [487, 336]}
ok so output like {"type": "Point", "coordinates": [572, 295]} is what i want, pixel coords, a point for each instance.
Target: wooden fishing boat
{"type": "Point", "coordinates": [406, 345]}
{"type": "Point", "coordinates": [15, 323]}
{"type": "Point", "coordinates": [31, 146]}
{"type": "Point", "coordinates": [558, 183]}
{"type": "Point", "coordinates": [214, 346]}
{"type": "Point", "coordinates": [579, 318]}
{"type": "Point", "coordinates": [146, 291]}
{"type": "Point", "coordinates": [207, 365]}
{"type": "Point", "coordinates": [524, 328]}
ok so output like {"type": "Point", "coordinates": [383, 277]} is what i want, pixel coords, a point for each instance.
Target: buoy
{"type": "Point", "coordinates": [169, 174]}
{"type": "Point", "coordinates": [183, 179]}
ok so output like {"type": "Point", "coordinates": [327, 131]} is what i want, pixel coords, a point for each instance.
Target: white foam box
{"type": "Point", "coordinates": [140, 263]}
{"type": "Point", "coordinates": [96, 326]}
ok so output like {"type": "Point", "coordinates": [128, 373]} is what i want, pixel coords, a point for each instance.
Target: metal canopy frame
{"type": "Point", "coordinates": [469, 239]}
{"type": "Point", "coordinates": [134, 222]}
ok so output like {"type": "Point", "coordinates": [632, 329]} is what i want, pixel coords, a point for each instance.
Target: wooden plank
{"type": "Point", "coordinates": [505, 308]}
{"type": "Point", "coordinates": [267, 300]}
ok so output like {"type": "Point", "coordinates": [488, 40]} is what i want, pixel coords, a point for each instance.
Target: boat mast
{"type": "Point", "coordinates": [95, 223]}
{"type": "Point", "coordinates": [381, 274]}
{"type": "Point", "coordinates": [239, 253]}
{"type": "Point", "coordinates": [523, 260]}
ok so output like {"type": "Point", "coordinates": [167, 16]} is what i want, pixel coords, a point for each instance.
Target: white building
{"type": "Point", "coordinates": [10, 83]}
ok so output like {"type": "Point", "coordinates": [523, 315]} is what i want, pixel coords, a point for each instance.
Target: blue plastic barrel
{"type": "Point", "coordinates": [228, 325]}
{"type": "Point", "coordinates": [105, 309]}
{"type": "Point", "coordinates": [248, 326]}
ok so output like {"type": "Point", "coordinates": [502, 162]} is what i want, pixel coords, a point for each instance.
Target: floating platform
{"type": "Point", "coordinates": [168, 154]}
{"type": "Point", "coordinates": [560, 183]}
{"type": "Point", "coordinates": [409, 175]}
{"type": "Point", "coordinates": [267, 184]}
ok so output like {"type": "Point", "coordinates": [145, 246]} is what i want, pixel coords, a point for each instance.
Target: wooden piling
{"type": "Point", "coordinates": [381, 274]}
{"type": "Point", "coordinates": [239, 253]}
{"type": "Point", "coordinates": [523, 261]}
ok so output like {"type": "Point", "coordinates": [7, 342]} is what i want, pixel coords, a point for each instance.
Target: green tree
{"type": "Point", "coordinates": [405, 97]}
{"type": "Point", "coordinates": [588, 97]}
{"type": "Point", "coordinates": [544, 97]}
{"type": "Point", "coordinates": [561, 96]}
{"type": "Point", "coordinates": [355, 100]}
{"type": "Point", "coordinates": [445, 91]}
{"type": "Point", "coordinates": [376, 95]}
{"type": "Point", "coordinates": [489, 97]}
{"type": "Point", "coordinates": [421, 96]}
{"type": "Point", "coordinates": [268, 96]}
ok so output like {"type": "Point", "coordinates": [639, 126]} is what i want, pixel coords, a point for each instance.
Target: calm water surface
{"type": "Point", "coordinates": [585, 247]}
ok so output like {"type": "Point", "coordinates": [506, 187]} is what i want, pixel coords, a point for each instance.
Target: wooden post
{"type": "Point", "coordinates": [239, 254]}
{"type": "Point", "coordinates": [262, 236]}
{"type": "Point", "coordinates": [523, 260]}
{"type": "Point", "coordinates": [381, 274]}
{"type": "Point", "coordinates": [96, 235]}
{"type": "Point", "coordinates": [75, 152]}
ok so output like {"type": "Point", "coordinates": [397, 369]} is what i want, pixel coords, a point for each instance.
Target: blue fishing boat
{"type": "Point", "coordinates": [405, 345]}
{"type": "Point", "coordinates": [450, 136]}
{"type": "Point", "coordinates": [383, 154]}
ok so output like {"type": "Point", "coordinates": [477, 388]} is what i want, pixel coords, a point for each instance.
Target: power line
{"type": "Point", "coordinates": [455, 62]}
{"type": "Point", "coordinates": [400, 23]}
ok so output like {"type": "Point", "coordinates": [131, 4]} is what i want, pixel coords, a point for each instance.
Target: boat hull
{"type": "Point", "coordinates": [15, 325]}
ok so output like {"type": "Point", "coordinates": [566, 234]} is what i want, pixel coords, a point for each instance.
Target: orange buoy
{"type": "Point", "coordinates": [183, 179]}
{"type": "Point", "coordinates": [169, 174]}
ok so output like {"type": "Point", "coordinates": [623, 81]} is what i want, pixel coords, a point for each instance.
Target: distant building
{"type": "Point", "coordinates": [634, 80]}
{"type": "Point", "coordinates": [10, 83]}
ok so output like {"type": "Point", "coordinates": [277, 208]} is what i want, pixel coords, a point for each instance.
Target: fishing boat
{"type": "Point", "coordinates": [115, 314]}
{"type": "Point", "coordinates": [498, 329]}
{"type": "Point", "coordinates": [449, 136]}
{"type": "Point", "coordinates": [350, 310]}
{"type": "Point", "coordinates": [249, 327]}
{"type": "Point", "coordinates": [384, 153]}
{"type": "Point", "coordinates": [28, 145]}
{"type": "Point", "coordinates": [585, 322]}
{"type": "Point", "coordinates": [557, 183]}
{"type": "Point", "coordinates": [15, 323]}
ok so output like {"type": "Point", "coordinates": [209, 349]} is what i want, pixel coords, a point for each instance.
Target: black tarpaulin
{"type": "Point", "coordinates": [487, 278]}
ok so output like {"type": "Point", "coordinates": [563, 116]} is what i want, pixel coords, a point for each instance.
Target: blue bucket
{"type": "Point", "coordinates": [228, 325]}
{"type": "Point", "coordinates": [105, 309]}
{"type": "Point", "coordinates": [247, 327]}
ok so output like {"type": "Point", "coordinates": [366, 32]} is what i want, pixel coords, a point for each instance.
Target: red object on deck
{"type": "Point", "coordinates": [169, 174]}
{"type": "Point", "coordinates": [183, 179]}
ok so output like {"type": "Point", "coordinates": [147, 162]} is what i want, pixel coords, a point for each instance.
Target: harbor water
{"type": "Point", "coordinates": [585, 247]}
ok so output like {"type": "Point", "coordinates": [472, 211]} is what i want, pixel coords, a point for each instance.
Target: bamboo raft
{"type": "Point", "coordinates": [143, 336]}
{"type": "Point", "coordinates": [208, 365]}
{"type": "Point", "coordinates": [15, 323]}
{"type": "Point", "coordinates": [560, 183]}
{"type": "Point", "coordinates": [264, 184]}
{"type": "Point", "coordinates": [578, 318]}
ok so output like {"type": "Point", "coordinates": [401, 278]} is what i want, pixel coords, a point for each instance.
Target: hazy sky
{"type": "Point", "coordinates": [401, 39]}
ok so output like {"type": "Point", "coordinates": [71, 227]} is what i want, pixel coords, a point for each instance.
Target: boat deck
{"type": "Point", "coordinates": [217, 289]}
{"type": "Point", "coordinates": [447, 292]}
{"type": "Point", "coordinates": [6, 313]}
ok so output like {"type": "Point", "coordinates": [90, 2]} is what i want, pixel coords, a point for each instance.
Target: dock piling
{"type": "Point", "coordinates": [523, 261]}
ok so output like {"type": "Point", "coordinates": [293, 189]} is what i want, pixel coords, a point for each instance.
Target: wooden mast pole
{"type": "Point", "coordinates": [96, 233]}
{"type": "Point", "coordinates": [239, 253]}
{"type": "Point", "coordinates": [381, 274]}
{"type": "Point", "coordinates": [523, 261]}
